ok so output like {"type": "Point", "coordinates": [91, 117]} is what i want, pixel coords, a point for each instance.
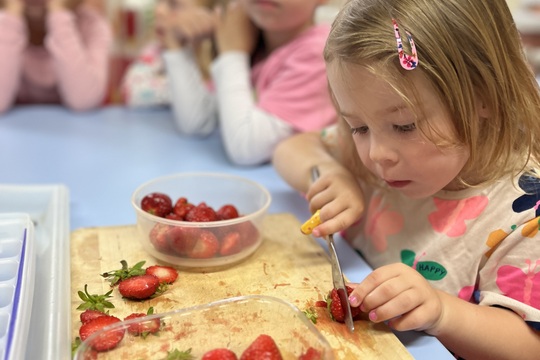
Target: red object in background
{"type": "Point", "coordinates": [118, 65]}
{"type": "Point", "coordinates": [130, 24]}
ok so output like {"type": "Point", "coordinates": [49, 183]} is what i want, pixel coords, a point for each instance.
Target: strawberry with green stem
{"type": "Point", "coordinates": [176, 354]}
{"type": "Point", "coordinates": [94, 301]}
{"type": "Point", "coordinates": [116, 276]}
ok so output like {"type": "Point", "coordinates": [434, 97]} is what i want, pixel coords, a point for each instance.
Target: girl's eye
{"type": "Point", "coordinates": [359, 130]}
{"type": "Point", "coordinates": [405, 128]}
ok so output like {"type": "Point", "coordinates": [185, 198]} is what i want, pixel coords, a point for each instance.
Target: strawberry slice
{"type": "Point", "coordinates": [139, 287]}
{"type": "Point", "coordinates": [311, 354]}
{"type": "Point", "coordinates": [165, 274]}
{"type": "Point", "coordinates": [230, 244]}
{"type": "Point", "coordinates": [105, 341]}
{"type": "Point", "coordinates": [207, 246]}
{"type": "Point", "coordinates": [219, 354]}
{"type": "Point", "coordinates": [90, 314]}
{"type": "Point", "coordinates": [144, 327]}
{"type": "Point", "coordinates": [263, 347]}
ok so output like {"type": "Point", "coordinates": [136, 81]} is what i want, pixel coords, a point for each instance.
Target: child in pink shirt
{"type": "Point", "coordinates": [53, 52]}
{"type": "Point", "coordinates": [269, 78]}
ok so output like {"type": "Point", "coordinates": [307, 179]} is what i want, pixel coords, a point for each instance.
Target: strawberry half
{"type": "Point", "coordinates": [230, 244]}
{"type": "Point", "coordinates": [263, 347]}
{"type": "Point", "coordinates": [311, 354]}
{"type": "Point", "coordinates": [219, 354]}
{"type": "Point", "coordinates": [90, 314]}
{"type": "Point", "coordinates": [106, 341]}
{"type": "Point", "coordinates": [144, 327]}
{"type": "Point", "coordinates": [207, 246]}
{"type": "Point", "coordinates": [139, 287]}
{"type": "Point", "coordinates": [165, 274]}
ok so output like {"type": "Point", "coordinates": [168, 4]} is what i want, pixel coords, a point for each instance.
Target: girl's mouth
{"type": "Point", "coordinates": [398, 184]}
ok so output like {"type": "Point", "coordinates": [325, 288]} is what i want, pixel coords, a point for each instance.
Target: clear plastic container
{"type": "Point", "coordinates": [160, 236]}
{"type": "Point", "coordinates": [17, 275]}
{"type": "Point", "coordinates": [230, 323]}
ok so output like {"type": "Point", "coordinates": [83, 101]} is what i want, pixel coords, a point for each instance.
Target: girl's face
{"type": "Point", "coordinates": [385, 134]}
{"type": "Point", "coordinates": [282, 15]}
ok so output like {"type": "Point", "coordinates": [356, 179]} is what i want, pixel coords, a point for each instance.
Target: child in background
{"type": "Point", "coordinates": [434, 173]}
{"type": "Point", "coordinates": [53, 51]}
{"type": "Point", "coordinates": [145, 83]}
{"type": "Point", "coordinates": [269, 77]}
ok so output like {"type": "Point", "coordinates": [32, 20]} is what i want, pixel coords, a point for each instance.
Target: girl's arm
{"type": "Point", "coordinates": [13, 40]}
{"type": "Point", "coordinates": [337, 192]}
{"type": "Point", "coordinates": [483, 332]}
{"type": "Point", "coordinates": [249, 134]}
{"type": "Point", "coordinates": [80, 47]}
{"type": "Point", "coordinates": [192, 103]}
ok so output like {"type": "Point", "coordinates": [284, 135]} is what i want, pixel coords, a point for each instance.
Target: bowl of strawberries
{"type": "Point", "coordinates": [200, 220]}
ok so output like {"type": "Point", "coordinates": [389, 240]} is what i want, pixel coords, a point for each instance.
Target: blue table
{"type": "Point", "coordinates": [103, 156]}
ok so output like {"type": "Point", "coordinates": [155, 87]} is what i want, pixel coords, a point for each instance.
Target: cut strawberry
{"type": "Point", "coordinates": [156, 203]}
{"type": "Point", "coordinates": [219, 354]}
{"type": "Point", "coordinates": [182, 239]}
{"type": "Point", "coordinates": [207, 246]}
{"type": "Point", "coordinates": [311, 354]}
{"type": "Point", "coordinates": [90, 314]}
{"type": "Point", "coordinates": [230, 244]}
{"type": "Point", "coordinates": [263, 347]}
{"type": "Point", "coordinates": [334, 305]}
{"type": "Point", "coordinates": [107, 340]}
{"type": "Point", "coordinates": [227, 212]}
{"type": "Point", "coordinates": [115, 276]}
{"type": "Point", "coordinates": [139, 287]}
{"type": "Point", "coordinates": [165, 274]}
{"type": "Point", "coordinates": [146, 327]}
{"type": "Point", "coordinates": [159, 237]}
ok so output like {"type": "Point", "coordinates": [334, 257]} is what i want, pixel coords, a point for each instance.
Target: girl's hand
{"type": "Point", "coordinates": [339, 197]}
{"type": "Point", "coordinates": [234, 29]}
{"type": "Point", "coordinates": [183, 24]}
{"type": "Point", "coordinates": [397, 293]}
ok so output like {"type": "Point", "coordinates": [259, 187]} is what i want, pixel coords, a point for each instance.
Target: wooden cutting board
{"type": "Point", "coordinates": [288, 265]}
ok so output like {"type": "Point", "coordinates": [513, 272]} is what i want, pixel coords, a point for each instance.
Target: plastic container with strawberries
{"type": "Point", "coordinates": [233, 324]}
{"type": "Point", "coordinates": [200, 220]}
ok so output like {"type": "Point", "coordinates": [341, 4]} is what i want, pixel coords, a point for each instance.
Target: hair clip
{"type": "Point", "coordinates": [408, 62]}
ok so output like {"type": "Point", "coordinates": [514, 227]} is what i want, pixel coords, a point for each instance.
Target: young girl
{"type": "Point", "coordinates": [269, 77]}
{"type": "Point", "coordinates": [435, 175]}
{"type": "Point", "coordinates": [53, 51]}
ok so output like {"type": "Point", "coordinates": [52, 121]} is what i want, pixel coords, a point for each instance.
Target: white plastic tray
{"type": "Point", "coordinates": [49, 336]}
{"type": "Point", "coordinates": [17, 272]}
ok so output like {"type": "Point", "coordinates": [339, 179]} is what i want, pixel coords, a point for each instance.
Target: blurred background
{"type": "Point", "coordinates": [132, 22]}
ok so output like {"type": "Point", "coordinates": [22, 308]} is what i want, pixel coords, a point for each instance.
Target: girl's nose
{"type": "Point", "coordinates": [382, 150]}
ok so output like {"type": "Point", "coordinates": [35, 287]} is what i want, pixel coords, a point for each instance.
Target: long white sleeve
{"type": "Point", "coordinates": [249, 134]}
{"type": "Point", "coordinates": [194, 106]}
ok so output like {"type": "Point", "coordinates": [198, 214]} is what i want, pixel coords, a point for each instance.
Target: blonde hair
{"type": "Point", "coordinates": [469, 51]}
